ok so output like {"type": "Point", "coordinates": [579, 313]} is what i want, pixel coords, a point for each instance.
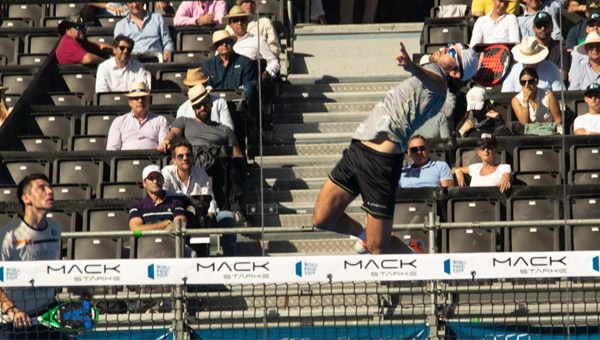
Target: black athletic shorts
{"type": "Point", "coordinates": [372, 174]}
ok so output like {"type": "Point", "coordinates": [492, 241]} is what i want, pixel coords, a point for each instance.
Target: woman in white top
{"type": "Point", "coordinates": [487, 173]}
{"type": "Point", "coordinates": [533, 105]}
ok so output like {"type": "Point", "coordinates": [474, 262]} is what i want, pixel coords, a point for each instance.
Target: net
{"type": "Point", "coordinates": [453, 296]}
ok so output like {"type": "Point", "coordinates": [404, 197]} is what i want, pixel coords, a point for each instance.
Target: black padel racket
{"type": "Point", "coordinates": [69, 316]}
{"type": "Point", "coordinates": [494, 63]}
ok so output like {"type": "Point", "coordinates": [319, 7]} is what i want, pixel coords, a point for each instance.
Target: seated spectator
{"type": "Point", "coordinates": [219, 113]}
{"type": "Point", "coordinates": [4, 109]}
{"type": "Point", "coordinates": [92, 10]}
{"type": "Point", "coordinates": [576, 6]}
{"type": "Point", "coordinates": [140, 129]}
{"type": "Point", "coordinates": [265, 25]}
{"type": "Point", "coordinates": [542, 26]}
{"type": "Point", "coordinates": [74, 48]}
{"type": "Point", "coordinates": [589, 123]}
{"type": "Point", "coordinates": [159, 209]}
{"type": "Point", "coordinates": [317, 14]}
{"type": "Point", "coordinates": [184, 178]}
{"type": "Point", "coordinates": [487, 173]}
{"type": "Point", "coordinates": [149, 31]}
{"type": "Point", "coordinates": [585, 64]}
{"type": "Point", "coordinates": [591, 22]}
{"type": "Point", "coordinates": [533, 105]}
{"type": "Point", "coordinates": [119, 72]}
{"type": "Point", "coordinates": [482, 7]}
{"type": "Point", "coordinates": [248, 45]}
{"type": "Point", "coordinates": [496, 26]}
{"type": "Point", "coordinates": [481, 117]}
{"type": "Point", "coordinates": [228, 70]}
{"type": "Point", "coordinates": [436, 127]}
{"type": "Point", "coordinates": [199, 13]}
{"type": "Point", "coordinates": [529, 53]}
{"type": "Point", "coordinates": [424, 172]}
{"type": "Point", "coordinates": [532, 8]}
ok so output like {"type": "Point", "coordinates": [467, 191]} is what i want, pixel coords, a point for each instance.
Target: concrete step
{"type": "Point", "coordinates": [290, 160]}
{"type": "Point", "coordinates": [280, 129]}
{"type": "Point", "coordinates": [277, 196]}
{"type": "Point", "coordinates": [325, 107]}
{"type": "Point", "coordinates": [312, 138]}
{"type": "Point", "coordinates": [330, 97]}
{"type": "Point", "coordinates": [293, 220]}
{"type": "Point", "coordinates": [287, 183]}
{"type": "Point", "coordinates": [383, 87]}
{"type": "Point", "coordinates": [252, 208]}
{"type": "Point", "coordinates": [292, 172]}
{"type": "Point", "coordinates": [319, 117]}
{"type": "Point", "coordinates": [332, 148]}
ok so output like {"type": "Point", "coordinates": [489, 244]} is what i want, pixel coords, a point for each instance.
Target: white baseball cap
{"type": "Point", "coordinates": [476, 97]}
{"type": "Point", "coordinates": [150, 169]}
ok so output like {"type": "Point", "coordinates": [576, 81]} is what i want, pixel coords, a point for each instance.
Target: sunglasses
{"type": "Point", "coordinates": [416, 149]}
{"type": "Point", "coordinates": [236, 20]}
{"type": "Point", "coordinates": [226, 41]}
{"type": "Point", "coordinates": [454, 54]}
{"type": "Point", "coordinates": [80, 27]}
{"type": "Point", "coordinates": [153, 178]}
{"type": "Point", "coordinates": [528, 82]}
{"type": "Point", "coordinates": [123, 48]}
{"type": "Point", "coordinates": [205, 103]}
{"type": "Point", "coordinates": [182, 155]}
{"type": "Point", "coordinates": [541, 25]}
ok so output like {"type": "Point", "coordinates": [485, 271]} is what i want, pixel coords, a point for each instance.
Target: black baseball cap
{"type": "Point", "coordinates": [487, 140]}
{"type": "Point", "coordinates": [593, 87]}
{"type": "Point", "coordinates": [592, 6]}
{"type": "Point", "coordinates": [542, 17]}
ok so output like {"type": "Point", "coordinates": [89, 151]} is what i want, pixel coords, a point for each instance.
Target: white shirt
{"type": "Point", "coordinates": [110, 77]}
{"type": "Point", "coordinates": [505, 30]}
{"type": "Point", "coordinates": [550, 77]}
{"type": "Point", "coordinates": [263, 27]}
{"type": "Point", "coordinates": [588, 121]}
{"type": "Point", "coordinates": [218, 114]}
{"type": "Point", "coordinates": [198, 184]}
{"type": "Point", "coordinates": [247, 46]}
{"type": "Point", "coordinates": [491, 180]}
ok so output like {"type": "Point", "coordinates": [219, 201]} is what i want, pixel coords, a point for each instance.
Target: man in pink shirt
{"type": "Point", "coordinates": [74, 48]}
{"type": "Point", "coordinates": [139, 129]}
{"type": "Point", "coordinates": [197, 13]}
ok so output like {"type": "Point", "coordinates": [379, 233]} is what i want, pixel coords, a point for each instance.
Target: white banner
{"type": "Point", "coordinates": [301, 269]}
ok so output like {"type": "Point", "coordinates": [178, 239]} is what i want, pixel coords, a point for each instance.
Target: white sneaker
{"type": "Point", "coordinates": [361, 247]}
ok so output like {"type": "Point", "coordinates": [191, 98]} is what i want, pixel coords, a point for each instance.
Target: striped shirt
{"type": "Point", "coordinates": [150, 212]}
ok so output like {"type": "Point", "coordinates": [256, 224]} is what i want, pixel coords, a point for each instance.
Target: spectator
{"type": "Point", "coordinates": [487, 173]}
{"type": "Point", "coordinates": [228, 70]}
{"type": "Point", "coordinates": [92, 10]}
{"type": "Point", "coordinates": [482, 7]}
{"type": "Point", "coordinates": [264, 24]}
{"type": "Point", "coordinates": [149, 31]}
{"type": "Point", "coordinates": [347, 11]}
{"type": "Point", "coordinates": [140, 129]}
{"type": "Point", "coordinates": [4, 109]}
{"type": "Point", "coordinates": [424, 172]}
{"type": "Point", "coordinates": [496, 26]}
{"type": "Point", "coordinates": [219, 113]}
{"type": "Point", "coordinates": [119, 72]}
{"type": "Point", "coordinates": [529, 53]}
{"type": "Point", "coordinates": [184, 178]}
{"type": "Point", "coordinates": [542, 26]}
{"type": "Point", "coordinates": [74, 48]}
{"type": "Point", "coordinates": [436, 127]}
{"type": "Point", "coordinates": [317, 13]}
{"type": "Point", "coordinates": [481, 117]}
{"type": "Point", "coordinates": [576, 6]}
{"type": "Point", "coordinates": [579, 32]}
{"type": "Point", "coordinates": [249, 45]}
{"type": "Point", "coordinates": [589, 123]}
{"type": "Point", "coordinates": [585, 66]}
{"type": "Point", "coordinates": [200, 13]}
{"type": "Point", "coordinates": [533, 105]}
{"type": "Point", "coordinates": [534, 6]}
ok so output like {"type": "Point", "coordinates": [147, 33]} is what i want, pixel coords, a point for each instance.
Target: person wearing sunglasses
{"type": "Point", "coordinates": [424, 172]}
{"type": "Point", "coordinates": [589, 123]}
{"type": "Point", "coordinates": [487, 173]}
{"type": "Point", "coordinates": [372, 164]}
{"type": "Point", "coordinates": [591, 22]}
{"type": "Point", "coordinates": [585, 66]}
{"type": "Point", "coordinates": [497, 26]}
{"type": "Point", "coordinates": [263, 26]}
{"type": "Point", "coordinates": [533, 105]}
{"type": "Point", "coordinates": [119, 72]}
{"type": "Point", "coordinates": [200, 13]}
{"type": "Point", "coordinates": [532, 7]}
{"type": "Point", "coordinates": [74, 48]}
{"type": "Point", "coordinates": [542, 27]}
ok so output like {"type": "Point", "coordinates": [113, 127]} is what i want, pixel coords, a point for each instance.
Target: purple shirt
{"type": "Point", "coordinates": [189, 11]}
{"type": "Point", "coordinates": [148, 211]}
{"type": "Point", "coordinates": [126, 132]}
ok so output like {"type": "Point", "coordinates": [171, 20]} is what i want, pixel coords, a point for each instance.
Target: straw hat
{"type": "Point", "coordinates": [529, 51]}
{"type": "Point", "coordinates": [592, 37]}
{"type": "Point", "coordinates": [138, 89]}
{"type": "Point", "coordinates": [237, 12]}
{"type": "Point", "coordinates": [198, 93]}
{"type": "Point", "coordinates": [195, 76]}
{"type": "Point", "coordinates": [221, 35]}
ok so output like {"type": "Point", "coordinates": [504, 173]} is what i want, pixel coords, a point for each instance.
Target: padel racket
{"type": "Point", "coordinates": [494, 63]}
{"type": "Point", "coordinates": [69, 316]}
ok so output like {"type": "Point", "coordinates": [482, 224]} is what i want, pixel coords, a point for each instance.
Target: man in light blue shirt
{"type": "Point", "coordinates": [551, 7]}
{"type": "Point", "coordinates": [424, 172]}
{"type": "Point", "coordinates": [149, 30]}
{"type": "Point", "coordinates": [585, 60]}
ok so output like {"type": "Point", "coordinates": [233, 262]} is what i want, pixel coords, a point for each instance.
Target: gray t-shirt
{"type": "Point", "coordinates": [20, 242]}
{"type": "Point", "coordinates": [402, 110]}
{"type": "Point", "coordinates": [208, 134]}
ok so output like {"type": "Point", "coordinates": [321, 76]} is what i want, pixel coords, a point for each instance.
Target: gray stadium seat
{"type": "Point", "coordinates": [18, 169]}
{"type": "Point", "coordinates": [33, 11]}
{"type": "Point", "coordinates": [8, 193]}
{"type": "Point", "coordinates": [129, 169]}
{"type": "Point", "coordinates": [87, 143]}
{"type": "Point", "coordinates": [411, 212]}
{"type": "Point", "coordinates": [56, 124]}
{"type": "Point", "coordinates": [16, 23]}
{"type": "Point", "coordinates": [69, 220]}
{"type": "Point", "coordinates": [121, 190]}
{"type": "Point", "coordinates": [190, 56]}
{"type": "Point", "coordinates": [40, 43]}
{"type": "Point", "coordinates": [9, 48]}
{"type": "Point", "coordinates": [64, 10]}
{"type": "Point", "coordinates": [7, 217]}
{"type": "Point", "coordinates": [585, 157]}
{"type": "Point", "coordinates": [87, 171]}
{"type": "Point", "coordinates": [81, 82]}
{"type": "Point", "coordinates": [536, 178]}
{"type": "Point", "coordinates": [173, 97]}
{"type": "Point", "coordinates": [154, 247]}
{"type": "Point", "coordinates": [68, 99]}
{"type": "Point", "coordinates": [583, 237]}
{"type": "Point", "coordinates": [72, 192]}
{"type": "Point", "coordinates": [97, 123]}
{"type": "Point", "coordinates": [194, 41]}
{"type": "Point", "coordinates": [111, 98]}
{"type": "Point", "coordinates": [96, 248]}
{"type": "Point", "coordinates": [584, 177]}
{"type": "Point", "coordinates": [32, 59]}
{"type": "Point", "coordinates": [472, 239]}
{"type": "Point", "coordinates": [533, 238]}
{"type": "Point", "coordinates": [538, 158]}
{"type": "Point", "coordinates": [18, 83]}
{"type": "Point", "coordinates": [172, 79]}
{"type": "Point", "coordinates": [41, 143]}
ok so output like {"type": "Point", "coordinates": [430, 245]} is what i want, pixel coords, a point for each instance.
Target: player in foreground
{"type": "Point", "coordinates": [372, 165]}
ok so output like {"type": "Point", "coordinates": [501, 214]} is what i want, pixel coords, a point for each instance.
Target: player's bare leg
{"type": "Point", "coordinates": [329, 210]}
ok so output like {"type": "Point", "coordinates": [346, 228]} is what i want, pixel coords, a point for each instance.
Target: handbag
{"type": "Point", "coordinates": [540, 129]}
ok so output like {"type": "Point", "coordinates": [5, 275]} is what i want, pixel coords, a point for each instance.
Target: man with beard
{"type": "Point", "coordinates": [542, 27]}
{"type": "Point", "coordinates": [74, 48]}
{"type": "Point", "coordinates": [118, 73]}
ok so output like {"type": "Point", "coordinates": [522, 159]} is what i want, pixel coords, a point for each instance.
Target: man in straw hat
{"type": "Point", "coordinates": [74, 48]}
{"type": "Point", "coordinates": [139, 129]}
{"type": "Point", "coordinates": [372, 165]}
{"type": "Point", "coordinates": [263, 26]}
{"type": "Point", "coordinates": [219, 112]}
{"type": "Point", "coordinates": [117, 73]}
{"type": "Point", "coordinates": [529, 53]}
{"type": "Point", "coordinates": [198, 13]}
{"type": "Point", "coordinates": [249, 45]}
{"type": "Point", "coordinates": [585, 67]}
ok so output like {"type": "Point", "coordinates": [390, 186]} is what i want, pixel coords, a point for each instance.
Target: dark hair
{"type": "Point", "coordinates": [24, 185]}
{"type": "Point", "coordinates": [529, 71]}
{"type": "Point", "coordinates": [418, 137]}
{"type": "Point", "coordinates": [124, 38]}
{"type": "Point", "coordinates": [179, 143]}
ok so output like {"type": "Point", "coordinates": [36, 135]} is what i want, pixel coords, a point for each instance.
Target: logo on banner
{"type": "Point", "coordinates": [386, 267]}
{"type": "Point", "coordinates": [454, 266]}
{"type": "Point", "coordinates": [306, 269]}
{"type": "Point", "coordinates": [236, 270]}
{"type": "Point", "coordinates": [595, 263]}
{"type": "Point", "coordinates": [91, 272]}
{"type": "Point", "coordinates": [533, 264]}
{"type": "Point", "coordinates": [158, 271]}
{"type": "Point", "coordinates": [9, 274]}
